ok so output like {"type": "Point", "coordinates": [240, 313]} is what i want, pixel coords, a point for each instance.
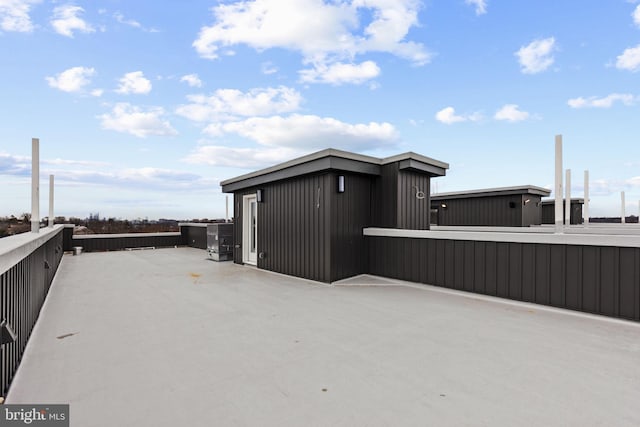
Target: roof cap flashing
{"type": "Point", "coordinates": [332, 152]}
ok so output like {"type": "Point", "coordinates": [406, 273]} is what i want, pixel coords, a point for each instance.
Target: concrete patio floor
{"type": "Point", "coordinates": [167, 338]}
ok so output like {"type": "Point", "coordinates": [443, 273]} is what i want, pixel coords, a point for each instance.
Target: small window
{"type": "Point", "coordinates": [512, 205]}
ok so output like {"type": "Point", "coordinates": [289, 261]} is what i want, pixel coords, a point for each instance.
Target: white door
{"type": "Point", "coordinates": [250, 230]}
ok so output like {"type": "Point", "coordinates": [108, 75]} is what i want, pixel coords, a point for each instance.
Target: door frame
{"type": "Point", "coordinates": [249, 257]}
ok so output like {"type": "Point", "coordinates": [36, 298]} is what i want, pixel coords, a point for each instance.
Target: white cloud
{"type": "Point", "coordinates": [147, 178]}
{"type": "Point", "coordinates": [119, 17]}
{"type": "Point", "coordinates": [629, 60]}
{"type": "Point", "coordinates": [603, 187]}
{"type": "Point", "coordinates": [66, 162]}
{"type": "Point", "coordinates": [268, 68]}
{"type": "Point", "coordinates": [481, 6]}
{"type": "Point", "coordinates": [321, 31]}
{"type": "Point", "coordinates": [511, 113]}
{"type": "Point", "coordinates": [309, 131]}
{"type": "Point", "coordinates": [134, 82]}
{"type": "Point", "coordinates": [131, 119]}
{"type": "Point", "coordinates": [247, 158]}
{"type": "Point", "coordinates": [606, 102]}
{"type": "Point", "coordinates": [636, 15]}
{"type": "Point", "coordinates": [339, 73]}
{"type": "Point", "coordinates": [130, 22]}
{"type": "Point", "coordinates": [66, 20]}
{"type": "Point", "coordinates": [91, 173]}
{"type": "Point", "coordinates": [448, 116]}
{"type": "Point", "coordinates": [71, 80]}
{"type": "Point", "coordinates": [14, 165]}
{"type": "Point", "coordinates": [14, 15]}
{"type": "Point", "coordinates": [192, 80]}
{"type": "Point", "coordinates": [226, 104]}
{"type": "Point", "coordinates": [537, 56]}
{"type": "Point", "coordinates": [97, 92]}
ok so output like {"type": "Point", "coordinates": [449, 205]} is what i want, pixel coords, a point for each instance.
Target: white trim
{"type": "Point", "coordinates": [522, 237]}
{"type": "Point", "coordinates": [246, 229]}
{"type": "Point", "coordinates": [340, 154]}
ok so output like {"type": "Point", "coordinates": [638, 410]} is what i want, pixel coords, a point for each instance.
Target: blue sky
{"type": "Point", "coordinates": [143, 107]}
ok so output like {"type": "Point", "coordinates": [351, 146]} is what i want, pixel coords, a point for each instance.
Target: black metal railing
{"type": "Point", "coordinates": [23, 289]}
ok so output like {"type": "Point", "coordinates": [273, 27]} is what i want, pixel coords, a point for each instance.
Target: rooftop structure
{"type": "Point", "coordinates": [517, 206]}
{"type": "Point", "coordinates": [305, 217]}
{"type": "Point", "coordinates": [489, 192]}
{"type": "Point", "coordinates": [548, 207]}
{"type": "Point", "coordinates": [166, 338]}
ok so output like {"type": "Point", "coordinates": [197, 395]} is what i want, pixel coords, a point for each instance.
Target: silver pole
{"type": "Point", "coordinates": [558, 185]}
{"type": "Point", "coordinates": [586, 198]}
{"type": "Point", "coordinates": [50, 200]}
{"type": "Point", "coordinates": [567, 199]}
{"type": "Point", "coordinates": [35, 185]}
{"type": "Point", "coordinates": [226, 215]}
{"type": "Point", "coordinates": [622, 206]}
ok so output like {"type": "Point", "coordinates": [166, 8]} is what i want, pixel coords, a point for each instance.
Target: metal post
{"type": "Point", "coordinates": [622, 207]}
{"type": "Point", "coordinates": [226, 215]}
{"type": "Point", "coordinates": [50, 200]}
{"type": "Point", "coordinates": [558, 185]}
{"type": "Point", "coordinates": [35, 185]}
{"type": "Point", "coordinates": [567, 199]}
{"type": "Point", "coordinates": [586, 198]}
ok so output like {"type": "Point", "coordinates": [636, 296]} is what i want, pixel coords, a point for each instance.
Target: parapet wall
{"type": "Point", "coordinates": [28, 264]}
{"type": "Point", "coordinates": [591, 273]}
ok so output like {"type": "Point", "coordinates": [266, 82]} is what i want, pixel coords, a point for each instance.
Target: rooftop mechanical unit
{"type": "Point", "coordinates": [220, 241]}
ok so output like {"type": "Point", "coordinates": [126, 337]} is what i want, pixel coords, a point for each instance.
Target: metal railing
{"type": "Point", "coordinates": [28, 264]}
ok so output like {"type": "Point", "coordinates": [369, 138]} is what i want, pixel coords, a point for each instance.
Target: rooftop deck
{"type": "Point", "coordinates": [166, 337]}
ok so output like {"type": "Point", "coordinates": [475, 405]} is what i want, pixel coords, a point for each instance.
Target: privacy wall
{"type": "Point", "coordinates": [595, 279]}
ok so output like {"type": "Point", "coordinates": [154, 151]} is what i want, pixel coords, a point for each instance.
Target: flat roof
{"type": "Point", "coordinates": [492, 192]}
{"type": "Point", "coordinates": [329, 159]}
{"type": "Point", "coordinates": [165, 337]}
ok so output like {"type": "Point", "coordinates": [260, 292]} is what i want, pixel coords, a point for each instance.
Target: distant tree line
{"type": "Point", "coordinates": [631, 219]}
{"type": "Point", "coordinates": [93, 224]}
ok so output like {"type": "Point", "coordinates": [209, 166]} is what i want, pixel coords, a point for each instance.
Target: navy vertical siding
{"type": "Point", "coordinates": [413, 212]}
{"type": "Point", "coordinates": [549, 213]}
{"type": "Point", "coordinates": [531, 210]}
{"type": "Point", "coordinates": [293, 226]}
{"type": "Point", "coordinates": [601, 280]}
{"type": "Point", "coordinates": [307, 229]}
{"type": "Point", "coordinates": [384, 197]}
{"type": "Point", "coordinates": [106, 242]}
{"type": "Point", "coordinates": [393, 199]}
{"type": "Point", "coordinates": [505, 211]}
{"type": "Point", "coordinates": [350, 213]}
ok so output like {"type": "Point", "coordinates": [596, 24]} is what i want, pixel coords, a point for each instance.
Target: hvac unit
{"type": "Point", "coordinates": [220, 241]}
